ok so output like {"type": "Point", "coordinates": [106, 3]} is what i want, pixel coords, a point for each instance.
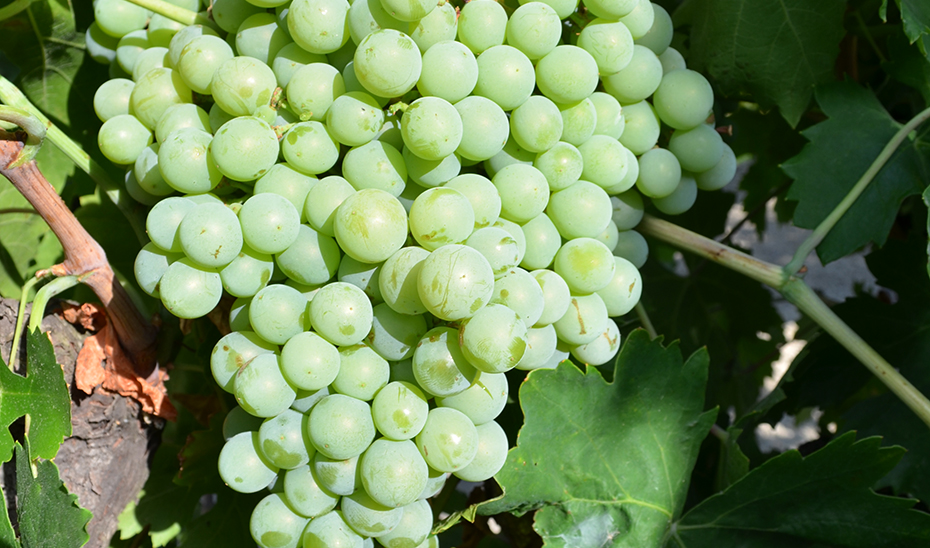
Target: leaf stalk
{"type": "Point", "coordinates": [176, 13]}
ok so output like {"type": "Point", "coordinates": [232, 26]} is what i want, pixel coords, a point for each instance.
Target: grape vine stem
{"type": "Point", "coordinates": [84, 258]}
{"type": "Point", "coordinates": [834, 217]}
{"type": "Point", "coordinates": [176, 13]}
{"type": "Point", "coordinates": [798, 293]}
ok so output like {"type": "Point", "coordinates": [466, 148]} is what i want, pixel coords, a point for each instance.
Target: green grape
{"type": "Point", "coordinates": [481, 194]}
{"type": "Point", "coordinates": [278, 312]}
{"type": "Point", "coordinates": [680, 200]}
{"type": "Point", "coordinates": [697, 149]}
{"type": "Point", "coordinates": [242, 84]}
{"type": "Point", "coordinates": [237, 421]}
{"type": "Point", "coordinates": [494, 339]}
{"type": "Point", "coordinates": [584, 321]}
{"type": "Point", "coordinates": [375, 165]}
{"type": "Point", "coordinates": [490, 456]}
{"type": "Point", "coordinates": [561, 354]}
{"type": "Point", "coordinates": [153, 57]}
{"type": "Point", "coordinates": [563, 8]}
{"type": "Point", "coordinates": [135, 191]}
{"type": "Point", "coordinates": [505, 76]}
{"type": "Point", "coordinates": [100, 46]}
{"type": "Point", "coordinates": [581, 210]}
{"type": "Point", "coordinates": [310, 148]}
{"type": "Point", "coordinates": [660, 34]}
{"type": "Point", "coordinates": [605, 162]}
{"type": "Point", "coordinates": [248, 273]}
{"type": "Point", "coordinates": [311, 259]}
{"type": "Point", "coordinates": [218, 117]}
{"type": "Point", "coordinates": [624, 289]}
{"type": "Point", "coordinates": [244, 149]}
{"type": "Point", "coordinates": [541, 343]}
{"type": "Point", "coordinates": [200, 59]}
{"type": "Point", "coordinates": [434, 484]}
{"type": "Point", "coordinates": [154, 92]}
{"type": "Point", "coordinates": [567, 74]}
{"type": "Point", "coordinates": [305, 494]}
{"type": "Point", "coordinates": [448, 441]}
{"type": "Point", "coordinates": [337, 476]}
{"type": "Point", "coordinates": [535, 29]}
{"type": "Point", "coordinates": [261, 388]}
{"type": "Point", "coordinates": [274, 524]}
{"type": "Point", "coordinates": [341, 313]}
{"type": "Point", "coordinates": [524, 192]}
{"type": "Point", "coordinates": [181, 116]}
{"type": "Point", "coordinates": [610, 9]}
{"type": "Point", "coordinates": [271, 224]}
{"type": "Point", "coordinates": [189, 291]}
{"type": "Point", "coordinates": [118, 17]}
{"type": "Point", "coordinates": [441, 216]}
{"type": "Point", "coordinates": [370, 225]}
{"type": "Point", "coordinates": [398, 280]}
{"type": "Point", "coordinates": [562, 165]}
{"type": "Point", "coordinates": [239, 314]}
{"type": "Point", "coordinates": [354, 118]}
{"type": "Point", "coordinates": [609, 236]}
{"type": "Point", "coordinates": [241, 465]}
{"type": "Point", "coordinates": [388, 63]}
{"type": "Point", "coordinates": [628, 180]}
{"type": "Point", "coordinates": [431, 128]}
{"type": "Point", "coordinates": [439, 366]}
{"type": "Point", "coordinates": [163, 220]}
{"type": "Point", "coordinates": [659, 173]}
{"type": "Point", "coordinates": [450, 72]}
{"type": "Point", "coordinates": [129, 47]}
{"type": "Point", "coordinates": [259, 37]}
{"type": "Point", "coordinates": [520, 292]}
{"type": "Point", "coordinates": [537, 124]}
{"type": "Point", "coordinates": [454, 282]}
{"type": "Point", "coordinates": [409, 10]}
{"type": "Point", "coordinates": [322, 201]}
{"type": "Point", "coordinates": [112, 98]}
{"type": "Point", "coordinates": [289, 59]}
{"type": "Point", "coordinates": [186, 163]}
{"type": "Point", "coordinates": [414, 527]}
{"type": "Point", "coordinates": [393, 475]}
{"type": "Point", "coordinates": [627, 209]}
{"type": "Point", "coordinates": [309, 362]}
{"type": "Point", "coordinates": [368, 517]}
{"type": "Point", "coordinates": [283, 440]}
{"type": "Point", "coordinates": [232, 353]}
{"type": "Point", "coordinates": [286, 181]}
{"type": "Point", "coordinates": [578, 122]}
{"type": "Point", "coordinates": [609, 115]}
{"type": "Point", "coordinates": [399, 411]}
{"type": "Point", "coordinates": [368, 16]}
{"type": "Point", "coordinates": [393, 335]}
{"type": "Point", "coordinates": [671, 60]}
{"type": "Point", "coordinates": [684, 99]}
{"type": "Point", "coordinates": [542, 242]}
{"type": "Point", "coordinates": [610, 44]}
{"type": "Point", "coordinates": [184, 37]}
{"type": "Point", "coordinates": [341, 427]}
{"type": "Point", "coordinates": [638, 80]}
{"type": "Point", "coordinates": [510, 154]}
{"type": "Point", "coordinates": [330, 531]}
{"type": "Point", "coordinates": [516, 232]}
{"type": "Point", "coordinates": [482, 25]}
{"type": "Point", "coordinates": [641, 127]}
{"type": "Point", "coordinates": [312, 90]}
{"type": "Point", "coordinates": [210, 235]}
{"type": "Point", "coordinates": [586, 265]}
{"type": "Point", "coordinates": [485, 128]}
{"type": "Point", "coordinates": [640, 20]}
{"type": "Point", "coordinates": [720, 174]}
{"type": "Point", "coordinates": [362, 275]}
{"type": "Point", "coordinates": [161, 30]}
{"type": "Point", "coordinates": [602, 349]}
{"type": "Point", "coordinates": [352, 83]}
{"type": "Point", "coordinates": [483, 401]}
{"type": "Point", "coordinates": [497, 246]}
{"type": "Point", "coordinates": [440, 25]}
{"type": "Point", "coordinates": [229, 14]}
{"type": "Point", "coordinates": [148, 175]}
{"type": "Point", "coordinates": [150, 264]}
{"type": "Point", "coordinates": [122, 138]}
{"type": "Point", "coordinates": [362, 372]}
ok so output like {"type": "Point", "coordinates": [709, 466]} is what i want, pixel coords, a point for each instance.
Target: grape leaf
{"type": "Point", "coordinates": [49, 516]}
{"type": "Point", "coordinates": [775, 51]}
{"type": "Point", "coordinates": [915, 14]}
{"type": "Point", "coordinates": [42, 394]}
{"type": "Point", "coordinates": [906, 65]}
{"type": "Point", "coordinates": [841, 149]}
{"type": "Point", "coordinates": [815, 501]}
{"type": "Point", "coordinates": [608, 463]}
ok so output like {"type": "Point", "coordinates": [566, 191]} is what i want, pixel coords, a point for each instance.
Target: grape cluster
{"type": "Point", "coordinates": [407, 199]}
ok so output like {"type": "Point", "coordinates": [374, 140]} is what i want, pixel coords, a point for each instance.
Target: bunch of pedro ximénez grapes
{"type": "Point", "coordinates": [407, 198]}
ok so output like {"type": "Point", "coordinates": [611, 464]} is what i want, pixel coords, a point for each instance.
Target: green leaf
{"type": "Point", "coordinates": [906, 65]}
{"type": "Point", "coordinates": [7, 534]}
{"type": "Point", "coordinates": [819, 500]}
{"type": "Point", "coordinates": [915, 14]}
{"type": "Point", "coordinates": [926, 198]}
{"type": "Point", "coordinates": [774, 51]}
{"type": "Point", "coordinates": [42, 394]}
{"type": "Point", "coordinates": [49, 516]}
{"type": "Point", "coordinates": [841, 149]}
{"type": "Point", "coordinates": [608, 463]}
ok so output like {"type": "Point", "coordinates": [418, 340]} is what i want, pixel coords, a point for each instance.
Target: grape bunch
{"type": "Point", "coordinates": [407, 199]}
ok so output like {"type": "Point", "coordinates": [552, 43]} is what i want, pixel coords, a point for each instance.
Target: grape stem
{"type": "Point", "coordinates": [645, 320]}
{"type": "Point", "coordinates": [84, 258]}
{"type": "Point", "coordinates": [819, 233]}
{"type": "Point", "coordinates": [12, 96]}
{"type": "Point", "coordinates": [176, 13]}
{"type": "Point", "coordinates": [798, 293]}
